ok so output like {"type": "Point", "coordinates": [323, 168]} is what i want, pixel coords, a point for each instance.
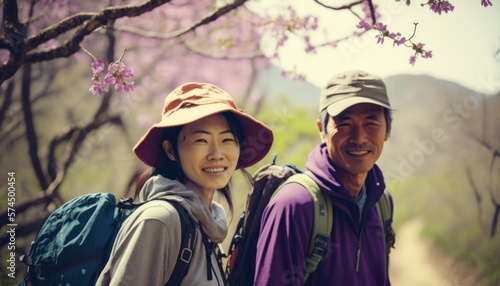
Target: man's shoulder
{"type": "Point", "coordinates": [292, 193]}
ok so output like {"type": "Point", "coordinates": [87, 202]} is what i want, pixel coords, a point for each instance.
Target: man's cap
{"type": "Point", "coordinates": [348, 88]}
{"type": "Point", "coordinates": [192, 101]}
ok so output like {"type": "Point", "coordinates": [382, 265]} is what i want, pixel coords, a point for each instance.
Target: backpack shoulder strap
{"type": "Point", "coordinates": [323, 222]}
{"type": "Point", "coordinates": [384, 211]}
{"type": "Point", "coordinates": [187, 242]}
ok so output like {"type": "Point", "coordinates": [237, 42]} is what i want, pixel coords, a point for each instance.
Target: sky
{"type": "Point", "coordinates": [463, 44]}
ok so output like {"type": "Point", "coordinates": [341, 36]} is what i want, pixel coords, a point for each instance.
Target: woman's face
{"type": "Point", "coordinates": [208, 153]}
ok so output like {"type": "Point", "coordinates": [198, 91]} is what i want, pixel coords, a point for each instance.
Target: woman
{"type": "Point", "coordinates": [194, 150]}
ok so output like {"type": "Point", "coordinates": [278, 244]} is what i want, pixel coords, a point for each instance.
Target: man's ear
{"type": "Point", "coordinates": [321, 133]}
{"type": "Point", "coordinates": [387, 134]}
{"type": "Point", "coordinates": [169, 150]}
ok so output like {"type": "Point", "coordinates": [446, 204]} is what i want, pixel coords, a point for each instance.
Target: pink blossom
{"type": "Point", "coordinates": [427, 54]}
{"type": "Point", "coordinates": [412, 60]}
{"type": "Point", "coordinates": [109, 78]}
{"type": "Point", "coordinates": [116, 75]}
{"type": "Point", "coordinates": [309, 48]}
{"type": "Point", "coordinates": [363, 25]}
{"type": "Point", "coordinates": [380, 39]}
{"type": "Point", "coordinates": [381, 27]}
{"type": "Point", "coordinates": [407, 2]}
{"type": "Point", "coordinates": [399, 41]}
{"type": "Point", "coordinates": [486, 3]}
{"type": "Point", "coordinates": [439, 6]}
{"type": "Point", "coordinates": [394, 35]}
{"type": "Point", "coordinates": [118, 69]}
{"type": "Point", "coordinates": [98, 87]}
{"type": "Point", "coordinates": [97, 67]}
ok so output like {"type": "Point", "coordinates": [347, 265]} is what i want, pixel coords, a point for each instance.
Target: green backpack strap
{"type": "Point", "coordinates": [323, 222]}
{"type": "Point", "coordinates": [384, 211]}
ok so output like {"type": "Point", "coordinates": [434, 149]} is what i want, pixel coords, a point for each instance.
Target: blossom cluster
{"type": "Point", "coordinates": [397, 39]}
{"type": "Point", "coordinates": [486, 3]}
{"type": "Point", "coordinates": [116, 74]}
{"type": "Point", "coordinates": [284, 24]}
{"type": "Point", "coordinates": [439, 6]}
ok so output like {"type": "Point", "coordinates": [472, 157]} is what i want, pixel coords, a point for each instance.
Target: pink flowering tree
{"type": "Point", "coordinates": [52, 50]}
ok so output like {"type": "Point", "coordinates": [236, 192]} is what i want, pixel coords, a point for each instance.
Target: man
{"type": "Point", "coordinates": [354, 122]}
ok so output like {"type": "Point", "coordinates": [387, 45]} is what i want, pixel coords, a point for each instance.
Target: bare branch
{"type": "Point", "coordinates": [31, 135]}
{"type": "Point", "coordinates": [337, 41]}
{"type": "Point", "coordinates": [175, 34]}
{"type": "Point", "coordinates": [223, 55]}
{"type": "Point", "coordinates": [349, 7]}
{"type": "Point", "coordinates": [84, 24]}
{"type": "Point", "coordinates": [343, 7]}
{"type": "Point", "coordinates": [15, 31]}
{"type": "Point", "coordinates": [57, 29]}
{"type": "Point", "coordinates": [477, 195]}
{"type": "Point", "coordinates": [110, 14]}
{"type": "Point", "coordinates": [494, 222]}
{"type": "Point", "coordinates": [6, 102]}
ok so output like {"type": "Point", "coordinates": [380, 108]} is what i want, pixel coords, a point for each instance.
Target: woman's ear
{"type": "Point", "coordinates": [169, 150]}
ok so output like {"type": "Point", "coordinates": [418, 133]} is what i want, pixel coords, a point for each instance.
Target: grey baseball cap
{"type": "Point", "coordinates": [348, 88]}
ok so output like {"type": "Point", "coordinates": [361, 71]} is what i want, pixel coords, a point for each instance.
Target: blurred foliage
{"type": "Point", "coordinates": [294, 127]}
{"type": "Point", "coordinates": [447, 204]}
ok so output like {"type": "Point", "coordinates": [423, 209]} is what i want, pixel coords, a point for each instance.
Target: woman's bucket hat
{"type": "Point", "coordinates": [192, 101]}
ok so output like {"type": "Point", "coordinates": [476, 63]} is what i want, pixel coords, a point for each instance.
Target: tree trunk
{"type": "Point", "coordinates": [494, 222]}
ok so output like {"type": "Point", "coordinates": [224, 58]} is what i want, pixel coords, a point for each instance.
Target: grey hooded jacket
{"type": "Point", "coordinates": [146, 248]}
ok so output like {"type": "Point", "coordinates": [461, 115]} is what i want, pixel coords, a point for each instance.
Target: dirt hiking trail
{"type": "Point", "coordinates": [414, 263]}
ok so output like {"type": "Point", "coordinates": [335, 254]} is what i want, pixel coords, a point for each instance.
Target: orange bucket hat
{"type": "Point", "coordinates": [192, 101]}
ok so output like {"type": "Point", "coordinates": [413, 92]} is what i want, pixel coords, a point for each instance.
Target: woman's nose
{"type": "Point", "coordinates": [215, 152]}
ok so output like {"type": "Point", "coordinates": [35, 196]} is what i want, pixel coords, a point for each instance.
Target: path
{"type": "Point", "coordinates": [413, 263]}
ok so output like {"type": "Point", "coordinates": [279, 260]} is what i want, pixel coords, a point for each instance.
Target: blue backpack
{"type": "Point", "coordinates": [75, 242]}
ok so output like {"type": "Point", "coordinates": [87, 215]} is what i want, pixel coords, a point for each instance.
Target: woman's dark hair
{"type": "Point", "coordinates": [172, 169]}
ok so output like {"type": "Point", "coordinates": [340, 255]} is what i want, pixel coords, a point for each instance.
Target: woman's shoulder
{"type": "Point", "coordinates": [156, 210]}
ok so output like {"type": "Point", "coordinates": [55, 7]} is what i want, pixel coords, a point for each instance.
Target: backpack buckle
{"type": "Point", "coordinates": [186, 255]}
{"type": "Point", "coordinates": [320, 244]}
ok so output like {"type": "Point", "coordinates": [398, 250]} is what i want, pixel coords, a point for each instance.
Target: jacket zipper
{"type": "Point", "coordinates": [358, 254]}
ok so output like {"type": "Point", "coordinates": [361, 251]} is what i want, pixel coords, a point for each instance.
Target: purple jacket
{"type": "Point", "coordinates": [287, 223]}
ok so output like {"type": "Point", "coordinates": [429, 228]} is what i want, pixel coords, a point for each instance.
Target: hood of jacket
{"type": "Point", "coordinates": [324, 171]}
{"type": "Point", "coordinates": [213, 221]}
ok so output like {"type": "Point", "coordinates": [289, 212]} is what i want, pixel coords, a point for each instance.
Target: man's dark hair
{"type": "Point", "coordinates": [323, 119]}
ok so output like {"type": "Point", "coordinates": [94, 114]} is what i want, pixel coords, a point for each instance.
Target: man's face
{"type": "Point", "coordinates": [355, 138]}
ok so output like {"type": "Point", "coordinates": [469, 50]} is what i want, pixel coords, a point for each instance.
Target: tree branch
{"type": "Point", "coordinates": [477, 195]}
{"type": "Point", "coordinates": [223, 55]}
{"type": "Point", "coordinates": [31, 135]}
{"type": "Point", "coordinates": [175, 34]}
{"type": "Point", "coordinates": [13, 29]}
{"type": "Point", "coordinates": [349, 7]}
{"type": "Point", "coordinates": [84, 24]}
{"type": "Point", "coordinates": [343, 7]}
{"type": "Point", "coordinates": [6, 102]}
{"type": "Point", "coordinates": [57, 29]}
